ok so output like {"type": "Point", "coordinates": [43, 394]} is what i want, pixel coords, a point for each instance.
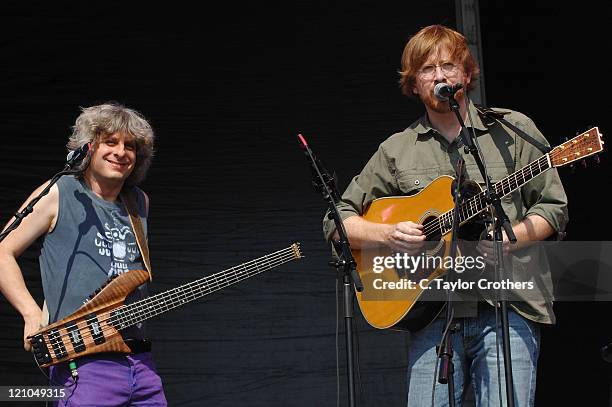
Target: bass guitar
{"type": "Point", "coordinates": [96, 326]}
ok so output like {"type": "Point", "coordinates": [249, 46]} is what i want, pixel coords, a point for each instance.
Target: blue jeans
{"type": "Point", "coordinates": [475, 360]}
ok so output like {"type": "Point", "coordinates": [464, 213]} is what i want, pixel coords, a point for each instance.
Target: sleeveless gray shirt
{"type": "Point", "coordinates": [92, 241]}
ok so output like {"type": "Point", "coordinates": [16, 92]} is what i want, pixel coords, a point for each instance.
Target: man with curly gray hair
{"type": "Point", "coordinates": [88, 238]}
{"type": "Point", "coordinates": [107, 119]}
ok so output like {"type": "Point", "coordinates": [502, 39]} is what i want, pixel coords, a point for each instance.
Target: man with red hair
{"type": "Point", "coordinates": [407, 162]}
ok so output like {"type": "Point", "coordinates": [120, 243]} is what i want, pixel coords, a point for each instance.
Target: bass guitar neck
{"type": "Point", "coordinates": [96, 326]}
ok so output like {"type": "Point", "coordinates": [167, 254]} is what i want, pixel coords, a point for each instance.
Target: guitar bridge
{"type": "Point", "coordinates": [40, 349]}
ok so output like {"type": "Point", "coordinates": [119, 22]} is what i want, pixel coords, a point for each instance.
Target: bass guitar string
{"type": "Point", "coordinates": [273, 260]}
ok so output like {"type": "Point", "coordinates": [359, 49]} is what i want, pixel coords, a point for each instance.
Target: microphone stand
{"type": "Point", "coordinates": [20, 215]}
{"type": "Point", "coordinates": [500, 221]}
{"type": "Point", "coordinates": [445, 351]}
{"type": "Point", "coordinates": [324, 183]}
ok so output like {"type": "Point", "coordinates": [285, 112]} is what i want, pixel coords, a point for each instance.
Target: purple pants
{"type": "Point", "coordinates": [110, 379]}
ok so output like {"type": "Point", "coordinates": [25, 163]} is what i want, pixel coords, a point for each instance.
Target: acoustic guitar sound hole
{"type": "Point", "coordinates": [433, 243]}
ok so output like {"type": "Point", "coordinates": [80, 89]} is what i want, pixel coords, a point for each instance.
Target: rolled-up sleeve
{"type": "Point", "coordinates": [377, 179]}
{"type": "Point", "coordinates": [544, 195]}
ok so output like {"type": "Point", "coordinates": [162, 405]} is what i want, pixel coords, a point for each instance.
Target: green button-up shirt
{"type": "Point", "coordinates": [408, 161]}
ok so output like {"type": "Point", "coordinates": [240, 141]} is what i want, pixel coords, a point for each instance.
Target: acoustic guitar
{"type": "Point", "coordinates": [433, 208]}
{"type": "Point", "coordinates": [96, 326]}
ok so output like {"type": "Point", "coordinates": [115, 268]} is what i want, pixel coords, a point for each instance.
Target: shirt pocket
{"type": "Point", "coordinates": [411, 182]}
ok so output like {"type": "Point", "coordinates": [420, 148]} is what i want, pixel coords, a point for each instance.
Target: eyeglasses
{"type": "Point", "coordinates": [448, 68]}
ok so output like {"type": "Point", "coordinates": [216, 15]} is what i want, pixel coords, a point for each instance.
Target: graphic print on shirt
{"type": "Point", "coordinates": [117, 244]}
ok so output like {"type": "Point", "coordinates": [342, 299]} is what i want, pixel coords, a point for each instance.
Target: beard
{"type": "Point", "coordinates": [438, 106]}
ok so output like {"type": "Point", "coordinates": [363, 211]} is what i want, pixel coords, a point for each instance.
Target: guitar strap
{"type": "Point", "coordinates": [130, 204]}
{"type": "Point", "coordinates": [128, 199]}
{"type": "Point", "coordinates": [44, 317]}
{"type": "Point", "coordinates": [498, 117]}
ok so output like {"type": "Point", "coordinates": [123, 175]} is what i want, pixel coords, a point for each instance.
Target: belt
{"type": "Point", "coordinates": [138, 345]}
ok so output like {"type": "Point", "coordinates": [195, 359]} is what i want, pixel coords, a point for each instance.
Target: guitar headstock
{"type": "Point", "coordinates": [583, 145]}
{"type": "Point", "coordinates": [297, 252]}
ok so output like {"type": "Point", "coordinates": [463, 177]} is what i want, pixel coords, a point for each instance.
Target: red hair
{"type": "Point", "coordinates": [431, 40]}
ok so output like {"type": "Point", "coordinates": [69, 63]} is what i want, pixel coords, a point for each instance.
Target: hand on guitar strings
{"type": "Point", "coordinates": [406, 237]}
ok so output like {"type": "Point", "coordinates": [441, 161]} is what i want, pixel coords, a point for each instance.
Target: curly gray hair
{"type": "Point", "coordinates": [110, 118]}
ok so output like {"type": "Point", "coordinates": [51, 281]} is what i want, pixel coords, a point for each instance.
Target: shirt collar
{"type": "Point", "coordinates": [424, 127]}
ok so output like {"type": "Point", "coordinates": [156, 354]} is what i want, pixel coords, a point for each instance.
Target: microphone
{"type": "Point", "coordinates": [76, 156]}
{"type": "Point", "coordinates": [442, 91]}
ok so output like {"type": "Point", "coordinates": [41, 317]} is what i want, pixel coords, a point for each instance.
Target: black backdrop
{"type": "Point", "coordinates": [227, 88]}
